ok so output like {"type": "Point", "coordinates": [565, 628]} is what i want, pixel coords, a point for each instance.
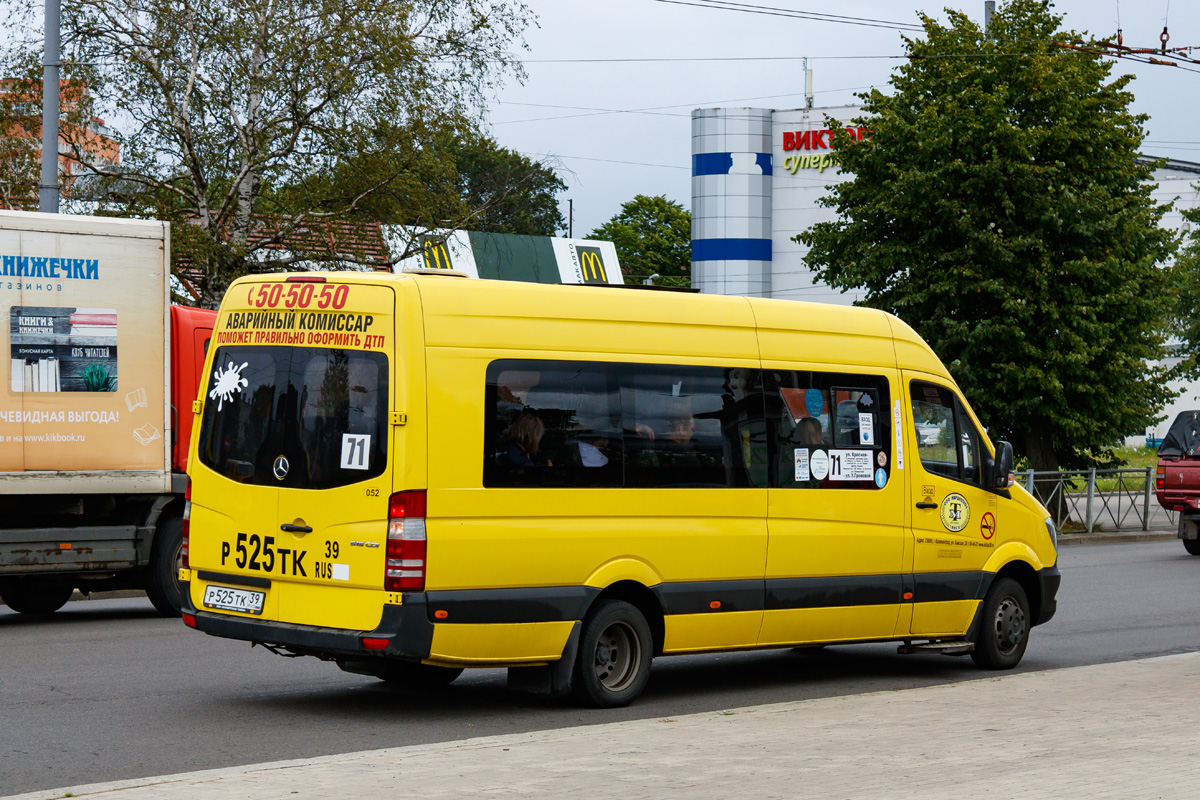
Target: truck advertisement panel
{"type": "Point", "coordinates": [82, 322]}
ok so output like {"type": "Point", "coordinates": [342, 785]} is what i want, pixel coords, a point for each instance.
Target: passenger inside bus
{"type": "Point", "coordinates": [524, 439]}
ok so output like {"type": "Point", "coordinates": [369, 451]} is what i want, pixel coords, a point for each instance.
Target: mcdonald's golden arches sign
{"type": "Point", "coordinates": [436, 254]}
{"type": "Point", "coordinates": [591, 264]}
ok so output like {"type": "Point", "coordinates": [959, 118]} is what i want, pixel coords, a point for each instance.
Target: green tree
{"type": "Point", "coordinates": [21, 127]}
{"type": "Point", "coordinates": [458, 178]}
{"type": "Point", "coordinates": [506, 192]}
{"type": "Point", "coordinates": [652, 235]}
{"type": "Point", "coordinates": [997, 207]}
{"type": "Point", "coordinates": [20, 142]}
{"type": "Point", "coordinates": [1186, 310]}
{"type": "Point", "coordinates": [224, 106]}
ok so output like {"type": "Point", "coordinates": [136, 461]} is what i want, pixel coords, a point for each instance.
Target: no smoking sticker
{"type": "Point", "coordinates": [987, 525]}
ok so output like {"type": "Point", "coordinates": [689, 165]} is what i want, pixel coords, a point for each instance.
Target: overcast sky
{"type": "Point", "coordinates": [644, 147]}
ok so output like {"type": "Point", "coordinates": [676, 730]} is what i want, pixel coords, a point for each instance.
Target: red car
{"type": "Point", "coordinates": [1177, 484]}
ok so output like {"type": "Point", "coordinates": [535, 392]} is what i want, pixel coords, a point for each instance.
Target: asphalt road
{"type": "Point", "coordinates": [106, 690]}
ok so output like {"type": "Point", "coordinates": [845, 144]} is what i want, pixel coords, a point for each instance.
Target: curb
{"type": "Point", "coordinates": [1115, 537]}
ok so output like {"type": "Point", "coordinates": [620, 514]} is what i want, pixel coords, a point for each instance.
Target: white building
{"type": "Point", "coordinates": [757, 177]}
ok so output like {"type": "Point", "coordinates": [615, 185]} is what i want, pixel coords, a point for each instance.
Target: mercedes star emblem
{"type": "Point", "coordinates": [281, 468]}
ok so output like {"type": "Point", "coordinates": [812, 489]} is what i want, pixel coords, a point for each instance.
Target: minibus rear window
{"type": "Point", "coordinates": [301, 417]}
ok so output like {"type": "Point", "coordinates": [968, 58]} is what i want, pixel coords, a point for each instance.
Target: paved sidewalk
{"type": "Point", "coordinates": [1123, 730]}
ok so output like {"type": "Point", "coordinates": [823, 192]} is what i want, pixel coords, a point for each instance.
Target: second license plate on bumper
{"type": "Point", "coordinates": [227, 599]}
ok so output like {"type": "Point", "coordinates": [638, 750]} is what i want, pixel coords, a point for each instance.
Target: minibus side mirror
{"type": "Point", "coordinates": [1002, 476]}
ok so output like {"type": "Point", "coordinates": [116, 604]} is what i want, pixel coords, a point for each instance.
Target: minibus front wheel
{"type": "Point", "coordinates": [1004, 626]}
{"type": "Point", "coordinates": [614, 655]}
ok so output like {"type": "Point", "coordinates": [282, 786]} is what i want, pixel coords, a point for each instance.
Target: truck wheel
{"type": "Point", "coordinates": [162, 577]}
{"type": "Point", "coordinates": [413, 674]}
{"type": "Point", "coordinates": [35, 595]}
{"type": "Point", "coordinates": [1192, 546]}
{"type": "Point", "coordinates": [1004, 629]}
{"type": "Point", "coordinates": [614, 655]}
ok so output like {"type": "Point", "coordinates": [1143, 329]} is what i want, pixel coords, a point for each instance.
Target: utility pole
{"type": "Point", "coordinates": [989, 8]}
{"type": "Point", "coordinates": [48, 186]}
{"type": "Point", "coordinates": [570, 218]}
{"type": "Point", "coordinates": [808, 94]}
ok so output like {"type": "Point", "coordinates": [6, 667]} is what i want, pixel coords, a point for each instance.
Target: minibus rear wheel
{"type": "Point", "coordinates": [1192, 546]}
{"type": "Point", "coordinates": [614, 655]}
{"type": "Point", "coordinates": [1004, 626]}
{"type": "Point", "coordinates": [413, 674]}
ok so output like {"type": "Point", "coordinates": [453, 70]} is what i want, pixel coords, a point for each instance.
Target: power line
{"type": "Point", "coordinates": [606, 161]}
{"type": "Point", "coordinates": [774, 11]}
{"type": "Point", "coordinates": [650, 110]}
{"type": "Point", "coordinates": [695, 59]}
{"type": "Point", "coordinates": [881, 56]}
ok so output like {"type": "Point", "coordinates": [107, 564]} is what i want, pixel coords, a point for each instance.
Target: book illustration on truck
{"type": "Point", "coordinates": [135, 399]}
{"type": "Point", "coordinates": [146, 434]}
{"type": "Point", "coordinates": [63, 349]}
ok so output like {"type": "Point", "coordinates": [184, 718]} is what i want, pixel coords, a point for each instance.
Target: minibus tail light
{"type": "Point", "coordinates": [187, 526]}
{"type": "Point", "coordinates": [1160, 478]}
{"type": "Point", "coordinates": [404, 569]}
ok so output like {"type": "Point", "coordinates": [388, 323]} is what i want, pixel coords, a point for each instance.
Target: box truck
{"type": "Point", "coordinates": [95, 414]}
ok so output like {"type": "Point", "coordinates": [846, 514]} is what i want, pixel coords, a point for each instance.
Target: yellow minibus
{"type": "Point", "coordinates": [418, 473]}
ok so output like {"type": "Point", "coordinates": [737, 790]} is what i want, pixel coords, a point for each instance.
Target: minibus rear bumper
{"type": "Point", "coordinates": [406, 629]}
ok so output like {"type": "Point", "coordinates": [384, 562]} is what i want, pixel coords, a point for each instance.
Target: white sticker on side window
{"type": "Point", "coordinates": [899, 439]}
{"type": "Point", "coordinates": [819, 464]}
{"type": "Point", "coordinates": [866, 429]}
{"type": "Point", "coordinates": [802, 473]}
{"type": "Point", "coordinates": [851, 465]}
{"type": "Point", "coordinates": [356, 451]}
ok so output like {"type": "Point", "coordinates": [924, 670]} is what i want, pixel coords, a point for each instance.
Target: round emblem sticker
{"type": "Point", "coordinates": [880, 478]}
{"type": "Point", "coordinates": [814, 402]}
{"type": "Point", "coordinates": [881, 459]}
{"type": "Point", "coordinates": [955, 512]}
{"type": "Point", "coordinates": [818, 464]}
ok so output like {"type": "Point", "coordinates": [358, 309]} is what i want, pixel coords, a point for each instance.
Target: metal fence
{"type": "Point", "coordinates": [1111, 499]}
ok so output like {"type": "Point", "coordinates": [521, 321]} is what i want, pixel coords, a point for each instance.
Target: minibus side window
{"type": "Point", "coordinates": [599, 424]}
{"type": "Point", "coordinates": [968, 446]}
{"type": "Point", "coordinates": [947, 441]}
{"type": "Point", "coordinates": [691, 426]}
{"type": "Point", "coordinates": [828, 430]}
{"type": "Point", "coordinates": [551, 423]}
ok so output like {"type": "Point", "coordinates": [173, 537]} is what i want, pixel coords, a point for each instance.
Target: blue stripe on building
{"type": "Point", "coordinates": [731, 249]}
{"type": "Point", "coordinates": [722, 163]}
{"type": "Point", "coordinates": [712, 163]}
